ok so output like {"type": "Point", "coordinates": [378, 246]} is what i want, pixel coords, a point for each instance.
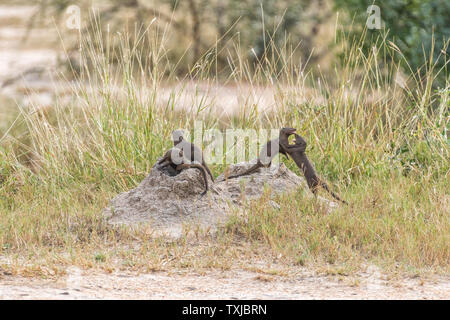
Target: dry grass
{"type": "Point", "coordinates": [392, 222]}
{"type": "Point", "coordinates": [383, 146]}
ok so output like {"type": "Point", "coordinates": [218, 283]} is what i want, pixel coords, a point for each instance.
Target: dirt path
{"type": "Point", "coordinates": [220, 285]}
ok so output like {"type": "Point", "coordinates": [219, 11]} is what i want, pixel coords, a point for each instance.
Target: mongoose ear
{"type": "Point", "coordinates": [177, 135]}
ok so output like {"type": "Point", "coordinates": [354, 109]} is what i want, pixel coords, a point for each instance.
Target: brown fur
{"type": "Point", "coordinates": [297, 153]}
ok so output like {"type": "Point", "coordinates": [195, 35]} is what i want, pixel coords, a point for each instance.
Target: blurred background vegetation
{"type": "Point", "coordinates": [198, 27]}
{"type": "Point", "coordinates": [419, 28]}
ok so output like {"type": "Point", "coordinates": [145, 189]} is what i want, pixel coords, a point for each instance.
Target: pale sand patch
{"type": "Point", "coordinates": [234, 284]}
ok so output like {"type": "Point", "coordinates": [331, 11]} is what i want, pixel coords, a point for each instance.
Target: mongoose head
{"type": "Point", "coordinates": [287, 131]}
{"type": "Point", "coordinates": [177, 136]}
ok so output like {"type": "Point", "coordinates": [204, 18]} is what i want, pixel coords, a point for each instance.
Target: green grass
{"type": "Point", "coordinates": [385, 148]}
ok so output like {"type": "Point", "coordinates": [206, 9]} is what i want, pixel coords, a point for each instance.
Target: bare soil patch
{"type": "Point", "coordinates": [234, 284]}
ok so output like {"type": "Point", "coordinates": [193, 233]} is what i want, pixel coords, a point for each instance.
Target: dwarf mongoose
{"type": "Point", "coordinates": [190, 150]}
{"type": "Point", "coordinates": [297, 152]}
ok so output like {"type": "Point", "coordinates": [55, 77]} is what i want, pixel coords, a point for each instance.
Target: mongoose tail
{"type": "Point", "coordinates": [199, 167]}
{"type": "Point", "coordinates": [254, 168]}
{"type": "Point", "coordinates": [325, 186]}
{"type": "Point", "coordinates": [181, 163]}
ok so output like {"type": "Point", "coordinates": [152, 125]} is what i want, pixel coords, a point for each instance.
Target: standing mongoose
{"type": "Point", "coordinates": [269, 151]}
{"type": "Point", "coordinates": [175, 161]}
{"type": "Point", "coordinates": [190, 150]}
{"type": "Point", "coordinates": [297, 152]}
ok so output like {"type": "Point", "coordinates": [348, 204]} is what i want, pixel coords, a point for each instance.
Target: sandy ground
{"type": "Point", "coordinates": [237, 284]}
